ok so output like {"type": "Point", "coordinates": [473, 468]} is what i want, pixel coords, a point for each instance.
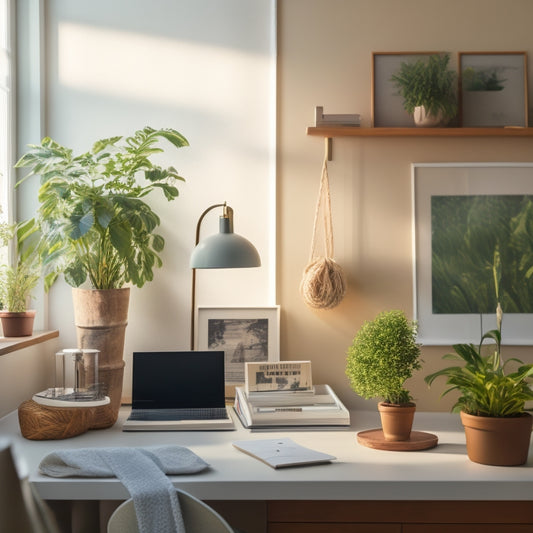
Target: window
{"type": "Point", "coordinates": [6, 111]}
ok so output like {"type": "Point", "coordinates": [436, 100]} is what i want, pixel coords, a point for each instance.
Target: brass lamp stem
{"type": "Point", "coordinates": [227, 213]}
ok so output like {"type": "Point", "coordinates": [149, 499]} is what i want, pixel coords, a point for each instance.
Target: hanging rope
{"type": "Point", "coordinates": [323, 284]}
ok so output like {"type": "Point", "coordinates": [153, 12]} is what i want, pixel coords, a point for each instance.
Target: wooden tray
{"type": "Point", "coordinates": [42, 422]}
{"type": "Point", "coordinates": [373, 438]}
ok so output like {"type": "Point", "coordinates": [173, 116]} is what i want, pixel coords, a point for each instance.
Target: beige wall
{"type": "Point", "coordinates": [324, 49]}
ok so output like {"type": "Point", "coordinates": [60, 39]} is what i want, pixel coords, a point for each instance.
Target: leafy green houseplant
{"type": "Point", "coordinates": [383, 355]}
{"type": "Point", "coordinates": [490, 393]}
{"type": "Point", "coordinates": [94, 220]}
{"type": "Point", "coordinates": [96, 225]}
{"type": "Point", "coordinates": [485, 385]}
{"type": "Point", "coordinates": [18, 280]}
{"type": "Point", "coordinates": [428, 83]}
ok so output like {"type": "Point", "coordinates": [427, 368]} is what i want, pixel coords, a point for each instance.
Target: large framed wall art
{"type": "Point", "coordinates": [473, 248]}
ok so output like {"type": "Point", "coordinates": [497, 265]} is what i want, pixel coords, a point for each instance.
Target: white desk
{"type": "Point", "coordinates": [442, 473]}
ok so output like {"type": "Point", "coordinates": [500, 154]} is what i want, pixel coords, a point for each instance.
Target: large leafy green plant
{"type": "Point", "coordinates": [93, 217]}
{"type": "Point", "coordinates": [487, 388]}
{"type": "Point", "coordinates": [383, 355]}
{"type": "Point", "coordinates": [429, 83]}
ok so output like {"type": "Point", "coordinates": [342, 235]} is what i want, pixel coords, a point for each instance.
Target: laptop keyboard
{"type": "Point", "coordinates": [210, 413]}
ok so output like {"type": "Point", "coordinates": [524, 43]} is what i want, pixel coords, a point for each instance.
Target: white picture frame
{"type": "Point", "coordinates": [233, 329]}
{"type": "Point", "coordinates": [460, 179]}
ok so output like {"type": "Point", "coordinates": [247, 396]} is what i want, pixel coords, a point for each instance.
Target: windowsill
{"type": "Point", "coordinates": [12, 344]}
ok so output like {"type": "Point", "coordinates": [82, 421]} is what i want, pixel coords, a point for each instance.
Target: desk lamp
{"type": "Point", "coordinates": [222, 250]}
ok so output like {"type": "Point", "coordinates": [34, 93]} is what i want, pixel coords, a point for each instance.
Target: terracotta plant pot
{"type": "Point", "coordinates": [101, 317]}
{"type": "Point", "coordinates": [17, 324]}
{"type": "Point", "coordinates": [497, 441]}
{"type": "Point", "coordinates": [396, 420]}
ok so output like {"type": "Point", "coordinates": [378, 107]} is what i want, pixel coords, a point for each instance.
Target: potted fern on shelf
{"type": "Point", "coordinates": [18, 280]}
{"type": "Point", "coordinates": [492, 400]}
{"type": "Point", "coordinates": [96, 227]}
{"type": "Point", "coordinates": [383, 355]}
{"type": "Point", "coordinates": [429, 89]}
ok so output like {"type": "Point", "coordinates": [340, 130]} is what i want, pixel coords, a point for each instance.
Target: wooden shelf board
{"type": "Point", "coordinates": [346, 131]}
{"type": "Point", "coordinates": [12, 344]}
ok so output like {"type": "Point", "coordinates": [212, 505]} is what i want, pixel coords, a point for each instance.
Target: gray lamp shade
{"type": "Point", "coordinates": [225, 250]}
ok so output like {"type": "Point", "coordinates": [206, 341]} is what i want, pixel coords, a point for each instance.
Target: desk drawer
{"type": "Point", "coordinates": [467, 528]}
{"type": "Point", "coordinates": [414, 514]}
{"type": "Point", "coordinates": [328, 527]}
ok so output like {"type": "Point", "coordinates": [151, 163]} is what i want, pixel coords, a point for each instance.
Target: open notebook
{"type": "Point", "coordinates": [174, 391]}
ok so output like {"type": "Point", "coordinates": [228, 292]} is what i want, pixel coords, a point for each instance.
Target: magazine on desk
{"type": "Point", "coordinates": [277, 377]}
{"type": "Point", "coordinates": [321, 408]}
{"type": "Point", "coordinates": [282, 452]}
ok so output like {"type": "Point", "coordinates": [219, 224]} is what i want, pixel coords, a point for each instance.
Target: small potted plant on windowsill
{"type": "Point", "coordinates": [492, 401]}
{"type": "Point", "coordinates": [383, 355]}
{"type": "Point", "coordinates": [429, 90]}
{"type": "Point", "coordinates": [17, 281]}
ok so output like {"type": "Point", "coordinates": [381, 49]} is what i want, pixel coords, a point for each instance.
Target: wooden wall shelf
{"type": "Point", "coordinates": [328, 132]}
{"type": "Point", "coordinates": [339, 131]}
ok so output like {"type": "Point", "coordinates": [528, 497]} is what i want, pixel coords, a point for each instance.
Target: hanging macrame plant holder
{"type": "Point", "coordinates": [323, 284]}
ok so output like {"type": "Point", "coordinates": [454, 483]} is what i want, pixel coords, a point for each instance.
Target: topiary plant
{"type": "Point", "coordinates": [383, 355]}
{"type": "Point", "coordinates": [428, 83]}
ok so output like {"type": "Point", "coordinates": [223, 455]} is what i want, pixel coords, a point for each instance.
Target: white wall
{"type": "Point", "coordinates": [207, 69]}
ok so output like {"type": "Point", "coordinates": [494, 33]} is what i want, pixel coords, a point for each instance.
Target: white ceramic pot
{"type": "Point", "coordinates": [424, 120]}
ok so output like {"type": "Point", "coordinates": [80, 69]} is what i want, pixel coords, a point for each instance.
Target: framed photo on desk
{"type": "Point", "coordinates": [244, 333]}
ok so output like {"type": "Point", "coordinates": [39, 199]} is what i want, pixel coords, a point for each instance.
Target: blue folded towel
{"type": "Point", "coordinates": [141, 470]}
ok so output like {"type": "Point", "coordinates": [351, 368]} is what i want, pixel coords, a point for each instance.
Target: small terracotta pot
{"type": "Point", "coordinates": [497, 441]}
{"type": "Point", "coordinates": [17, 324]}
{"type": "Point", "coordinates": [396, 420]}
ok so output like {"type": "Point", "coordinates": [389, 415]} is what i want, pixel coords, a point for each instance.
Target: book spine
{"type": "Point", "coordinates": [241, 407]}
{"type": "Point", "coordinates": [291, 401]}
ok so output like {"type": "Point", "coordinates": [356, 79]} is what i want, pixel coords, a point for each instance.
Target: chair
{"type": "Point", "coordinates": [21, 510]}
{"type": "Point", "coordinates": [197, 516]}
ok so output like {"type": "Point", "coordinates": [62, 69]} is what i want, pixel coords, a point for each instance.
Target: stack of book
{"type": "Point", "coordinates": [318, 406]}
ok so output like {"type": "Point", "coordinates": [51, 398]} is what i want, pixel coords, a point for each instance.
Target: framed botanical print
{"type": "Point", "coordinates": [473, 249]}
{"type": "Point", "coordinates": [493, 89]}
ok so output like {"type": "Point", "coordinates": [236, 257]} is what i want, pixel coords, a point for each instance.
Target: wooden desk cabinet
{"type": "Point", "coordinates": [399, 517]}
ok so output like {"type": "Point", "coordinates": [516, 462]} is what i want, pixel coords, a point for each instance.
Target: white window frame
{"type": "Point", "coordinates": [7, 111]}
{"type": "Point", "coordinates": [28, 104]}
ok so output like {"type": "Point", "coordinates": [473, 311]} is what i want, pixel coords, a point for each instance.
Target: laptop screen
{"type": "Point", "coordinates": [164, 380]}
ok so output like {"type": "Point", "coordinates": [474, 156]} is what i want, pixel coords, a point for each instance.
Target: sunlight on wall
{"type": "Point", "coordinates": [129, 65]}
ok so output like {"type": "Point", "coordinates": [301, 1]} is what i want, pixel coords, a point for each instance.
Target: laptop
{"type": "Point", "coordinates": [174, 391]}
